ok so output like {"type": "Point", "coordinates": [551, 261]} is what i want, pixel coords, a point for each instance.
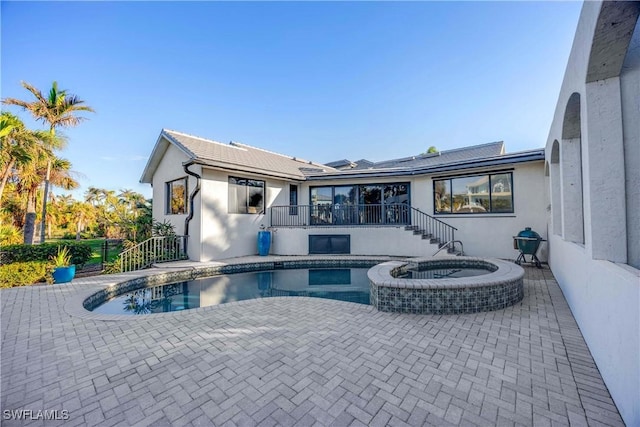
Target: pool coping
{"type": "Point", "coordinates": [382, 274]}
{"type": "Point", "coordinates": [165, 273]}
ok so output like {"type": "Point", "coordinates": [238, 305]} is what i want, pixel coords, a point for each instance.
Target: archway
{"type": "Point", "coordinates": [571, 170]}
{"type": "Point", "coordinates": [556, 197]}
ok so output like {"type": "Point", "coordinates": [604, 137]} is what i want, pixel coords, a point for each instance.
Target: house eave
{"type": "Point", "coordinates": [230, 167]}
{"type": "Point", "coordinates": [162, 144]}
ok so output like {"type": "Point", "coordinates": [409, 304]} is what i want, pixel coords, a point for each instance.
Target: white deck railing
{"type": "Point", "coordinates": [153, 250]}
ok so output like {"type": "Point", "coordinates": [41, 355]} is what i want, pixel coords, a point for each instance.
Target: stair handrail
{"type": "Point", "coordinates": [154, 249]}
{"type": "Point", "coordinates": [451, 242]}
{"type": "Point", "coordinates": [440, 230]}
{"type": "Point", "coordinates": [432, 217]}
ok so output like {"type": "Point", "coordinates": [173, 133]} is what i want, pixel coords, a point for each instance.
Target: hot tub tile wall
{"type": "Point", "coordinates": [497, 290]}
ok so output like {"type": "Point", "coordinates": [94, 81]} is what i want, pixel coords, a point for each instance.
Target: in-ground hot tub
{"type": "Point", "coordinates": [443, 293]}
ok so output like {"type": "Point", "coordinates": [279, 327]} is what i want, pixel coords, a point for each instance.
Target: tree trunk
{"type": "Point", "coordinates": [79, 228]}
{"type": "Point", "coordinates": [5, 176]}
{"type": "Point", "coordinates": [30, 218]}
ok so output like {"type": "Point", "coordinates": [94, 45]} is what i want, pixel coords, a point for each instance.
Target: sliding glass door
{"type": "Point", "coordinates": [365, 204]}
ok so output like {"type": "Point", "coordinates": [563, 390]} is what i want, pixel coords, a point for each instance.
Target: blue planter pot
{"type": "Point", "coordinates": [264, 242]}
{"type": "Point", "coordinates": [64, 274]}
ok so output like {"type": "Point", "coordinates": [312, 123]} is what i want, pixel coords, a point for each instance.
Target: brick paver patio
{"type": "Point", "coordinates": [299, 361]}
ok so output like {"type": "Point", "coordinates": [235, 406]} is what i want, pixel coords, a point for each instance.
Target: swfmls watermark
{"type": "Point", "coordinates": [31, 415]}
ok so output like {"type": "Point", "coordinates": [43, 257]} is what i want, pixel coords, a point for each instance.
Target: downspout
{"type": "Point", "coordinates": [192, 196]}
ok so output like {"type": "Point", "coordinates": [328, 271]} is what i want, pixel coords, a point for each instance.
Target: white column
{"type": "Point", "coordinates": [605, 171]}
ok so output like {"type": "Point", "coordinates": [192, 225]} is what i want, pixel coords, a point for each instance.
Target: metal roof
{"type": "Point", "coordinates": [245, 158]}
{"type": "Point", "coordinates": [441, 157]}
{"type": "Point", "coordinates": [409, 170]}
{"type": "Point", "coordinates": [232, 156]}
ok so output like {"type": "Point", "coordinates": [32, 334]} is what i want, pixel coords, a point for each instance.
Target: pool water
{"type": "Point", "coordinates": [344, 284]}
{"type": "Point", "coordinates": [443, 273]}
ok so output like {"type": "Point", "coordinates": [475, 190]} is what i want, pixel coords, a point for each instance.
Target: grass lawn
{"type": "Point", "coordinates": [96, 248]}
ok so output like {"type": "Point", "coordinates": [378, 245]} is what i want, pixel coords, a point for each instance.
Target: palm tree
{"type": "Point", "coordinates": [58, 212]}
{"type": "Point", "coordinates": [30, 178]}
{"type": "Point", "coordinates": [109, 199]}
{"type": "Point", "coordinates": [12, 208]}
{"type": "Point", "coordinates": [93, 195]}
{"type": "Point", "coordinates": [65, 199]}
{"type": "Point", "coordinates": [110, 219]}
{"type": "Point", "coordinates": [83, 213]}
{"type": "Point", "coordinates": [144, 220]}
{"type": "Point", "coordinates": [18, 145]}
{"type": "Point", "coordinates": [131, 197]}
{"type": "Point", "coordinates": [64, 203]}
{"type": "Point", "coordinates": [130, 203]}
{"type": "Point", "coordinates": [58, 109]}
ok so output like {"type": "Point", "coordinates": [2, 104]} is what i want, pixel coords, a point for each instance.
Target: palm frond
{"type": "Point", "coordinates": [8, 124]}
{"type": "Point", "coordinates": [68, 121]}
{"type": "Point", "coordinates": [35, 91]}
{"type": "Point", "coordinates": [18, 102]}
{"type": "Point", "coordinates": [56, 95]}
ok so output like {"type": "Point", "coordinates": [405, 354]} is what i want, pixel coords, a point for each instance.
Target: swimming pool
{"type": "Point", "coordinates": [340, 283]}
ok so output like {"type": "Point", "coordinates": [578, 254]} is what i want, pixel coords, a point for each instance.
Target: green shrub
{"type": "Point", "coordinates": [112, 267]}
{"type": "Point", "coordinates": [23, 273]}
{"type": "Point", "coordinates": [80, 252]}
{"type": "Point", "coordinates": [9, 235]}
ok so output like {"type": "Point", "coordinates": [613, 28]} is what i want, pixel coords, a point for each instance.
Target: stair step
{"type": "Point", "coordinates": [432, 240]}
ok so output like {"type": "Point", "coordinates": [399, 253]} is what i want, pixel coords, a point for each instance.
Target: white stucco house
{"type": "Point", "coordinates": [220, 195]}
{"type": "Point", "coordinates": [581, 193]}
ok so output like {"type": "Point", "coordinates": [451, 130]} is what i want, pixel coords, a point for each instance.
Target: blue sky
{"type": "Point", "coordinates": [316, 80]}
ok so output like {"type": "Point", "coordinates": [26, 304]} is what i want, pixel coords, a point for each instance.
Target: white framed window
{"type": "Point", "coordinates": [474, 194]}
{"type": "Point", "coordinates": [246, 196]}
{"type": "Point", "coordinates": [176, 201]}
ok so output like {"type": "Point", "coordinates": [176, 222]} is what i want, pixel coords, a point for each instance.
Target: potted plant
{"type": "Point", "coordinates": [63, 270]}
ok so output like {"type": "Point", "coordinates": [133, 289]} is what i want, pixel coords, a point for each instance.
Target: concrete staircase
{"type": "Point", "coordinates": [436, 231]}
